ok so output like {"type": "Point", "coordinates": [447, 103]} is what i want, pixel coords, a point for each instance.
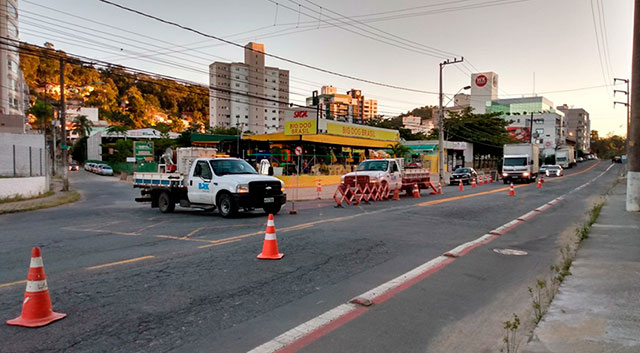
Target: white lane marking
{"type": "Point", "coordinates": [36, 262]}
{"type": "Point", "coordinates": [461, 248]}
{"type": "Point", "coordinates": [302, 330]}
{"type": "Point", "coordinates": [510, 252]}
{"type": "Point", "coordinates": [318, 322]}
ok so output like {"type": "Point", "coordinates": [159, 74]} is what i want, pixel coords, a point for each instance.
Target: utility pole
{"type": "Point", "coordinates": [633, 137]}
{"type": "Point", "coordinates": [63, 129]}
{"type": "Point", "coordinates": [615, 81]}
{"type": "Point", "coordinates": [441, 121]}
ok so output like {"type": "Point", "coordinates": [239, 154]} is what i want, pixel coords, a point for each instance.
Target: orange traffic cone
{"type": "Point", "coordinates": [479, 180]}
{"type": "Point", "coordinates": [396, 194]}
{"type": "Point", "coordinates": [460, 186]}
{"type": "Point", "coordinates": [36, 307]}
{"type": "Point", "coordinates": [473, 182]}
{"type": "Point", "coordinates": [270, 245]}
{"type": "Point", "coordinates": [439, 188]}
{"type": "Point", "coordinates": [542, 179]}
{"type": "Point", "coordinates": [486, 179]}
{"type": "Point", "coordinates": [319, 188]}
{"type": "Point", "coordinates": [416, 191]}
{"type": "Point", "coordinates": [512, 192]}
{"type": "Point", "coordinates": [490, 179]}
{"type": "Point", "coordinates": [540, 183]}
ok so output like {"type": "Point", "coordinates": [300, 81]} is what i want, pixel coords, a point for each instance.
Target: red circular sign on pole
{"type": "Point", "coordinates": [481, 80]}
{"type": "Point", "coordinates": [298, 151]}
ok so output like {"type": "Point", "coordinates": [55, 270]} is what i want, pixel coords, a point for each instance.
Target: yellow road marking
{"type": "Point", "coordinates": [119, 262]}
{"type": "Point", "coordinates": [9, 284]}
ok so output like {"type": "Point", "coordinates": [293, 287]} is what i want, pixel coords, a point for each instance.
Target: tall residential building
{"type": "Point", "coordinates": [548, 123]}
{"type": "Point", "coordinates": [13, 101]}
{"type": "Point", "coordinates": [248, 94]}
{"type": "Point", "coordinates": [578, 126]}
{"type": "Point", "coordinates": [352, 106]}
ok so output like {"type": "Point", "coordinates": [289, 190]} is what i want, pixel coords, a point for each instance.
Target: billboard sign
{"type": "Point", "coordinates": [300, 121]}
{"type": "Point", "coordinates": [143, 150]}
{"type": "Point", "coordinates": [362, 131]}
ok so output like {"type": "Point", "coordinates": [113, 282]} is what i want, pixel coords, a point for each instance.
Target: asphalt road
{"type": "Point", "coordinates": [133, 279]}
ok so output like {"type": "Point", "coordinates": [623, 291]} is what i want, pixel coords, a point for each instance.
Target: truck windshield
{"type": "Point", "coordinates": [231, 166]}
{"type": "Point", "coordinates": [373, 165]}
{"type": "Point", "coordinates": [515, 161]}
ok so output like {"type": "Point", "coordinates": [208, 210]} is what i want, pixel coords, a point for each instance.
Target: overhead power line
{"type": "Point", "coordinates": [308, 66]}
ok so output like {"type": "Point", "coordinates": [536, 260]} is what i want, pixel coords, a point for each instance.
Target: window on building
{"type": "Point", "coordinates": [13, 30]}
{"type": "Point", "coordinates": [12, 10]}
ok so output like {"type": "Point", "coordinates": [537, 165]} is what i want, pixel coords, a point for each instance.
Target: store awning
{"type": "Point", "coordinates": [322, 138]}
{"type": "Point", "coordinates": [423, 148]}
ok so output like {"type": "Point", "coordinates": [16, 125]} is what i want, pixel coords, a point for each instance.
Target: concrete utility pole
{"type": "Point", "coordinates": [441, 121]}
{"type": "Point", "coordinates": [65, 147]}
{"type": "Point", "coordinates": [633, 137]}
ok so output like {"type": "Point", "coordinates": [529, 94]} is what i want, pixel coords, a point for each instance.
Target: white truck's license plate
{"type": "Point", "coordinates": [269, 200]}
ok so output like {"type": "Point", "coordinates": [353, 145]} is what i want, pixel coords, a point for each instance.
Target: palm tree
{"type": "Point", "coordinates": [399, 150]}
{"type": "Point", "coordinates": [117, 130]}
{"type": "Point", "coordinates": [82, 126]}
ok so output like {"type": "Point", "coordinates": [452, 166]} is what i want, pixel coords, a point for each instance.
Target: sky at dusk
{"type": "Point", "coordinates": [393, 42]}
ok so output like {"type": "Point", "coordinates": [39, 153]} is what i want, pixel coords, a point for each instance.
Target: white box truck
{"type": "Point", "coordinates": [566, 156]}
{"type": "Point", "coordinates": [520, 162]}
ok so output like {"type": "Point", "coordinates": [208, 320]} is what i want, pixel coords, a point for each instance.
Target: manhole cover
{"type": "Point", "coordinates": [510, 252]}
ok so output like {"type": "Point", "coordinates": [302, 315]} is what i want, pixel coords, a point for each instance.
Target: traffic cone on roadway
{"type": "Point", "coordinates": [490, 179]}
{"type": "Point", "coordinates": [396, 194]}
{"type": "Point", "coordinates": [36, 306]}
{"type": "Point", "coordinates": [486, 180]}
{"type": "Point", "coordinates": [439, 188]}
{"type": "Point", "coordinates": [542, 179]}
{"type": "Point", "coordinates": [319, 188]}
{"type": "Point", "coordinates": [540, 183]}
{"type": "Point", "coordinates": [473, 182]}
{"type": "Point", "coordinates": [479, 180]}
{"type": "Point", "coordinates": [460, 186]}
{"type": "Point", "coordinates": [512, 191]}
{"type": "Point", "coordinates": [416, 191]}
{"type": "Point", "coordinates": [270, 245]}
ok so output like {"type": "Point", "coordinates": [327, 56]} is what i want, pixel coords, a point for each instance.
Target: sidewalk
{"type": "Point", "coordinates": [58, 198]}
{"type": "Point", "coordinates": [597, 308]}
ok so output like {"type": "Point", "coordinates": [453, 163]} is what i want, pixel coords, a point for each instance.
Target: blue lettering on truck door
{"type": "Point", "coordinates": [203, 186]}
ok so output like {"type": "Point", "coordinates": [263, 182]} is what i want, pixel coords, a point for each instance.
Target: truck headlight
{"type": "Point", "coordinates": [242, 188]}
{"type": "Point", "coordinates": [282, 186]}
{"type": "Point", "coordinates": [525, 174]}
{"type": "Point", "coordinates": [505, 174]}
{"type": "Point", "coordinates": [373, 180]}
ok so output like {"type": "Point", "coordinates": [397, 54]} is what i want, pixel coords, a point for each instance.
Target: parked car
{"type": "Point", "coordinates": [464, 174]}
{"type": "Point", "coordinates": [580, 159]}
{"type": "Point", "coordinates": [106, 170]}
{"type": "Point", "coordinates": [73, 166]}
{"type": "Point", "coordinates": [543, 169]}
{"type": "Point", "coordinates": [87, 166]}
{"type": "Point", "coordinates": [616, 159]}
{"type": "Point", "coordinates": [554, 170]}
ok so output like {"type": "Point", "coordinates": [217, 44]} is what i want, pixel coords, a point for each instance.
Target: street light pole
{"type": "Point", "coordinates": [63, 128]}
{"type": "Point", "coordinates": [441, 121]}
{"type": "Point", "coordinates": [633, 136]}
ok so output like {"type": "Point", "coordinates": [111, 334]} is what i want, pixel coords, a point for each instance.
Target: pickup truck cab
{"type": "Point", "coordinates": [380, 171]}
{"type": "Point", "coordinates": [226, 184]}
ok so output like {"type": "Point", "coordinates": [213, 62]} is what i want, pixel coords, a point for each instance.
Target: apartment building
{"type": "Point", "coordinates": [13, 89]}
{"type": "Point", "coordinates": [578, 126]}
{"type": "Point", "coordinates": [351, 107]}
{"type": "Point", "coordinates": [249, 94]}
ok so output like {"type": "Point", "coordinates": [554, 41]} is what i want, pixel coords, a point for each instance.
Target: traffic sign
{"type": "Point", "coordinates": [64, 147]}
{"type": "Point", "coordinates": [298, 151]}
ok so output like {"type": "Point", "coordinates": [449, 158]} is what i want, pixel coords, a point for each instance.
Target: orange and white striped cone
{"type": "Point", "coordinates": [486, 180]}
{"type": "Point", "coordinates": [542, 179]}
{"type": "Point", "coordinates": [439, 188]}
{"type": "Point", "coordinates": [490, 179]}
{"type": "Point", "coordinates": [416, 191]}
{"type": "Point", "coordinates": [473, 182]}
{"type": "Point", "coordinates": [36, 306]}
{"type": "Point", "coordinates": [512, 191]}
{"type": "Point", "coordinates": [460, 186]}
{"type": "Point", "coordinates": [540, 183]}
{"type": "Point", "coordinates": [270, 245]}
{"type": "Point", "coordinates": [319, 188]}
{"type": "Point", "coordinates": [396, 194]}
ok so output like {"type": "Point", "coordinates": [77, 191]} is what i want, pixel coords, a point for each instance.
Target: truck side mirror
{"type": "Point", "coordinates": [271, 170]}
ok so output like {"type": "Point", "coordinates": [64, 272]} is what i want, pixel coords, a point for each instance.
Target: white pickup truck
{"type": "Point", "coordinates": [389, 171]}
{"type": "Point", "coordinates": [226, 184]}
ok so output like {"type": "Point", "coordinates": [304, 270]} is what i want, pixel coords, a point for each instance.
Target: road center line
{"type": "Point", "coordinates": [119, 262]}
{"type": "Point", "coordinates": [9, 284]}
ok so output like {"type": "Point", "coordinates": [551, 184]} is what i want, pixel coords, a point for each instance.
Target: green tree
{"type": "Point", "coordinates": [399, 150]}
{"type": "Point", "coordinates": [136, 106]}
{"type": "Point", "coordinates": [82, 126]}
{"type": "Point", "coordinates": [423, 112]}
{"type": "Point", "coordinates": [79, 150]}
{"type": "Point", "coordinates": [43, 113]}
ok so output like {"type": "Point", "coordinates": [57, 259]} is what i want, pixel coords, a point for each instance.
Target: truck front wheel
{"type": "Point", "coordinates": [227, 206]}
{"type": "Point", "coordinates": [165, 203]}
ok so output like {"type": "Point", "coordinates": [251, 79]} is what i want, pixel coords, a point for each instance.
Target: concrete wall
{"type": "Point", "coordinates": [22, 155]}
{"type": "Point", "coordinates": [24, 187]}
